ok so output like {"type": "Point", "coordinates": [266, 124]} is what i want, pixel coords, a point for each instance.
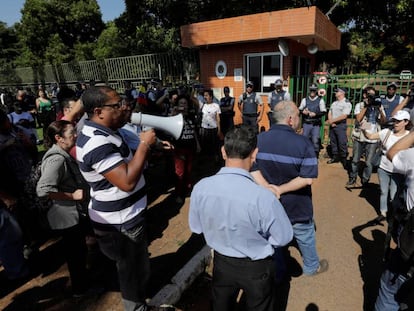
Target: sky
{"type": "Point", "coordinates": [10, 10]}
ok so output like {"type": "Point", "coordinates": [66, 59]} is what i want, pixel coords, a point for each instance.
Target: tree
{"type": "Point", "coordinates": [110, 43]}
{"type": "Point", "coordinates": [58, 31]}
{"type": "Point", "coordinates": [8, 52]}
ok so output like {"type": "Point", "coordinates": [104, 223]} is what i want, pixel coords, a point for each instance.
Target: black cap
{"type": "Point", "coordinates": [341, 89]}
{"type": "Point", "coordinates": [313, 87]}
{"type": "Point", "coordinates": [249, 83]}
{"type": "Point", "coordinates": [392, 85]}
{"type": "Point", "coordinates": [226, 89]}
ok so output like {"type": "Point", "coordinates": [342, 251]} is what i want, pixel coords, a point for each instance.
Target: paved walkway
{"type": "Point", "coordinates": [342, 238]}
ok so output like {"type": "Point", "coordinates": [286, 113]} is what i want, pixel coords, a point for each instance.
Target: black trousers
{"type": "Point", "coordinates": [255, 277]}
{"type": "Point", "coordinates": [74, 247]}
{"type": "Point", "coordinates": [129, 250]}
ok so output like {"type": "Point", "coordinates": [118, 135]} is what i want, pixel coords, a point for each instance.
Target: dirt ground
{"type": "Point", "coordinates": [345, 237]}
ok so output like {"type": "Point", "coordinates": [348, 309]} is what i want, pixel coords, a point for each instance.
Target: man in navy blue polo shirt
{"type": "Point", "coordinates": [286, 163]}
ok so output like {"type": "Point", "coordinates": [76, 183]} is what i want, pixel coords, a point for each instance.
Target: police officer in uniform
{"type": "Point", "coordinates": [249, 102]}
{"type": "Point", "coordinates": [227, 112]}
{"type": "Point", "coordinates": [313, 108]}
{"type": "Point", "coordinates": [337, 116]}
{"type": "Point", "coordinates": [276, 96]}
{"type": "Point", "coordinates": [390, 101]}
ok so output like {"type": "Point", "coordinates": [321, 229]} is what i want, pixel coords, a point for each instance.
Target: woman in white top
{"type": "Point", "coordinates": [389, 181]}
{"type": "Point", "coordinates": [210, 131]}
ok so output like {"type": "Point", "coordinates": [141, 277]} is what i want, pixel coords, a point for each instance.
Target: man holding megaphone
{"type": "Point", "coordinates": [130, 131]}
{"type": "Point", "coordinates": [118, 197]}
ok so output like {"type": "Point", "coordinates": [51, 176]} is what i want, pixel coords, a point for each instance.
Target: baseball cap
{"type": "Point", "coordinates": [401, 115]}
{"type": "Point", "coordinates": [249, 83]}
{"type": "Point", "coordinates": [392, 85]}
{"type": "Point", "coordinates": [278, 82]}
{"type": "Point", "coordinates": [226, 89]}
{"type": "Point", "coordinates": [313, 87]}
{"type": "Point", "coordinates": [341, 89]}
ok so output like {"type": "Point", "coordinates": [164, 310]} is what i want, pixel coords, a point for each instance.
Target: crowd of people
{"type": "Point", "coordinates": [91, 181]}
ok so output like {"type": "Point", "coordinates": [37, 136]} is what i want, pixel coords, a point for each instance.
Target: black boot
{"type": "Point", "coordinates": [351, 182]}
{"type": "Point", "coordinates": [334, 159]}
{"type": "Point", "coordinates": [343, 161]}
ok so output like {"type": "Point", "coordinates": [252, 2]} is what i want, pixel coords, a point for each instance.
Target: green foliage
{"type": "Point", "coordinates": [56, 31]}
{"type": "Point", "coordinates": [110, 43]}
{"type": "Point", "coordinates": [388, 63]}
{"type": "Point", "coordinates": [9, 51]}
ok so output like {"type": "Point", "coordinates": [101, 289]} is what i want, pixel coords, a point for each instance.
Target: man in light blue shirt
{"type": "Point", "coordinates": [242, 222]}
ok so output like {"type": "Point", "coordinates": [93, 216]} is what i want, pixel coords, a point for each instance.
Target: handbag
{"type": "Point", "coordinates": [379, 151]}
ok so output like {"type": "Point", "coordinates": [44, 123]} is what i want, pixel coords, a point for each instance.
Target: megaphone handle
{"type": "Point", "coordinates": [146, 128]}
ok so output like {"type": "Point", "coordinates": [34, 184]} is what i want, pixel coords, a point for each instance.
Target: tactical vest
{"type": "Point", "coordinates": [250, 104]}
{"type": "Point", "coordinates": [313, 106]}
{"type": "Point", "coordinates": [390, 106]}
{"type": "Point", "coordinates": [276, 98]}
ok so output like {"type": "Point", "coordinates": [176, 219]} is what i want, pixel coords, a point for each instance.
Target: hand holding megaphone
{"type": "Point", "coordinates": [148, 138]}
{"type": "Point", "coordinates": [171, 125]}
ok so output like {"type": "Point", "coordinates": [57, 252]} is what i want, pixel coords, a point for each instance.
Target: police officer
{"type": "Point", "coordinates": [251, 106]}
{"type": "Point", "coordinates": [227, 112]}
{"type": "Point", "coordinates": [337, 116]}
{"type": "Point", "coordinates": [313, 108]}
{"type": "Point", "coordinates": [277, 95]}
{"type": "Point", "coordinates": [390, 101]}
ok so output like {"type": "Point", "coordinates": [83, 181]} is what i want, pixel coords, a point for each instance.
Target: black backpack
{"type": "Point", "coordinates": [406, 237]}
{"type": "Point", "coordinates": [401, 227]}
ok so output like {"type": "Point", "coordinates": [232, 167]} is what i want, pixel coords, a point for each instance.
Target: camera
{"type": "Point", "coordinates": [373, 100]}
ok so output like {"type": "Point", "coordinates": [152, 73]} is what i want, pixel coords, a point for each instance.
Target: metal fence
{"type": "Point", "coordinates": [166, 66]}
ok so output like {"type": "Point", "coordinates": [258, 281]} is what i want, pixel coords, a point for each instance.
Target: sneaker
{"type": "Point", "coordinates": [323, 267]}
{"type": "Point", "coordinates": [351, 182]}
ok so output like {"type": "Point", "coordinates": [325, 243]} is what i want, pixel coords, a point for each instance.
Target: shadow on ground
{"type": "Point", "coordinates": [369, 261]}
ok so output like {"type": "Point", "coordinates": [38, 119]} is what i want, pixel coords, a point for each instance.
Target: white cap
{"type": "Point", "coordinates": [401, 115]}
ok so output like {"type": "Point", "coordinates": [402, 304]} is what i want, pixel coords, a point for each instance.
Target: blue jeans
{"type": "Point", "coordinates": [304, 234]}
{"type": "Point", "coordinates": [390, 283]}
{"type": "Point", "coordinates": [313, 133]}
{"type": "Point", "coordinates": [389, 183]}
{"type": "Point", "coordinates": [357, 150]}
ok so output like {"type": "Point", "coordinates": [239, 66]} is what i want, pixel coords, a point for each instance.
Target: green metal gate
{"type": "Point", "coordinates": [298, 87]}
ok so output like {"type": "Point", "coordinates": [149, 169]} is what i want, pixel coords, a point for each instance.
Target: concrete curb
{"type": "Point", "coordinates": [170, 294]}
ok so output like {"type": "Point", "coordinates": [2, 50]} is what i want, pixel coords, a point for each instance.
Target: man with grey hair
{"type": "Point", "coordinates": [286, 163]}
